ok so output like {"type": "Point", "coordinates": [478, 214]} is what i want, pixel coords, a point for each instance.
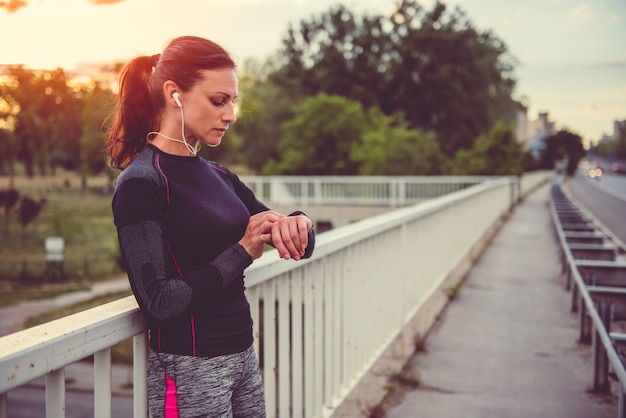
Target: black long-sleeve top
{"type": "Point", "coordinates": [179, 221]}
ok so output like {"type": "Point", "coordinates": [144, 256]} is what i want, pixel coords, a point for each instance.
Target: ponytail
{"type": "Point", "coordinates": [136, 112]}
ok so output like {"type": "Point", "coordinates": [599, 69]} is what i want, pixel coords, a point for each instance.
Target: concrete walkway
{"type": "Point", "coordinates": [508, 345]}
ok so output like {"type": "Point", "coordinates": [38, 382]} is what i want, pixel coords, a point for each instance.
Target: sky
{"type": "Point", "coordinates": [571, 53]}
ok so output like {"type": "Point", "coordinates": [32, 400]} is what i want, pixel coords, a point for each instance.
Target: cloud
{"type": "Point", "coordinates": [13, 6]}
{"type": "Point", "coordinates": [580, 12]}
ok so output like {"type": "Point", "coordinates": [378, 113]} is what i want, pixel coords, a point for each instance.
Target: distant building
{"type": "Point", "coordinates": [533, 133]}
{"type": "Point", "coordinates": [619, 126]}
{"type": "Point", "coordinates": [540, 129]}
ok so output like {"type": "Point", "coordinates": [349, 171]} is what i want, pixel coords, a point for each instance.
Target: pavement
{"type": "Point", "coordinates": [507, 346]}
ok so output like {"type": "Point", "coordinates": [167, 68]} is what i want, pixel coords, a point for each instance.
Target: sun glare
{"type": "Point", "coordinates": [47, 34]}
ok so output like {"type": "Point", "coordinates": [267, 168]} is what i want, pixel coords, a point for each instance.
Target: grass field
{"type": "Point", "coordinates": [80, 215]}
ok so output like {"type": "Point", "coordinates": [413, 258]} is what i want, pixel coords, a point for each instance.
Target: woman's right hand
{"type": "Point", "coordinates": [259, 232]}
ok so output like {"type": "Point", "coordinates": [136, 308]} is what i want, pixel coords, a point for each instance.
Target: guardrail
{"type": "Point", "coordinates": [320, 324]}
{"type": "Point", "coordinates": [392, 191]}
{"type": "Point", "coordinates": [595, 271]}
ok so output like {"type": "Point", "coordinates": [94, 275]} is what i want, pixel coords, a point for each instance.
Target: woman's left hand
{"type": "Point", "coordinates": [290, 236]}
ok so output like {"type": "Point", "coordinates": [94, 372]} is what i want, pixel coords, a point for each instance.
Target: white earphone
{"type": "Point", "coordinates": [193, 150]}
{"type": "Point", "coordinates": [176, 99]}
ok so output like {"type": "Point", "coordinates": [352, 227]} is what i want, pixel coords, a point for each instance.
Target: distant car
{"type": "Point", "coordinates": [619, 168]}
{"type": "Point", "coordinates": [595, 173]}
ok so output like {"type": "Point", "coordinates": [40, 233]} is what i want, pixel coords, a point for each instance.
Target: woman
{"type": "Point", "coordinates": [188, 228]}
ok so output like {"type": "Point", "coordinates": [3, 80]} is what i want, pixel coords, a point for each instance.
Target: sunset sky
{"type": "Point", "coordinates": [572, 53]}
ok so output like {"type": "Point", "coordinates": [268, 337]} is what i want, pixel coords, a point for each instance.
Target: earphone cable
{"type": "Point", "coordinates": [192, 150]}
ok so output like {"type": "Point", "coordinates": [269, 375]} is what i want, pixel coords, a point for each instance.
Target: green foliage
{"type": "Point", "coordinates": [390, 147]}
{"type": "Point", "coordinates": [319, 138]}
{"type": "Point", "coordinates": [98, 104]}
{"type": "Point", "coordinates": [29, 211]}
{"type": "Point", "coordinates": [563, 145]}
{"type": "Point", "coordinates": [82, 216]}
{"type": "Point", "coordinates": [45, 113]}
{"type": "Point", "coordinates": [263, 110]}
{"type": "Point", "coordinates": [445, 75]}
{"type": "Point", "coordinates": [8, 151]}
{"type": "Point", "coordinates": [615, 147]}
{"type": "Point", "coordinates": [8, 199]}
{"type": "Point", "coordinates": [497, 153]}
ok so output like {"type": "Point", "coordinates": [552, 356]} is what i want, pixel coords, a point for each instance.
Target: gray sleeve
{"type": "Point", "coordinates": [160, 292]}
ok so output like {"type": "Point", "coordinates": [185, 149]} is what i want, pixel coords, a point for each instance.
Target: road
{"type": "Point", "coordinates": [605, 198]}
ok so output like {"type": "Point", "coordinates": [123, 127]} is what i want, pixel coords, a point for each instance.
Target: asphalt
{"type": "Point", "coordinates": [507, 346]}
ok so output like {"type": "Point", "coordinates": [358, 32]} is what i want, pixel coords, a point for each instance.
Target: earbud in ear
{"type": "Point", "coordinates": [176, 99]}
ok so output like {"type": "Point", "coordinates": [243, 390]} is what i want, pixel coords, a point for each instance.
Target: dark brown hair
{"type": "Point", "coordinates": [141, 91]}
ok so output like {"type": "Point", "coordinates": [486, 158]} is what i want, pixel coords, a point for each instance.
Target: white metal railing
{"type": "Point", "coordinates": [46, 349]}
{"type": "Point", "coordinates": [319, 324]}
{"type": "Point", "coordinates": [390, 191]}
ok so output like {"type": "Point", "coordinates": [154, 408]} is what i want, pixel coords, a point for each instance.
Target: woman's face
{"type": "Point", "coordinates": [209, 108]}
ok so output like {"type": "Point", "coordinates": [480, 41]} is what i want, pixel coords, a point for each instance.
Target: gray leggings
{"type": "Point", "coordinates": [185, 386]}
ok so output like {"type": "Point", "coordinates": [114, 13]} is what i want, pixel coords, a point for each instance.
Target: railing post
{"type": "Point", "coordinates": [55, 394]}
{"type": "Point", "coordinates": [567, 270]}
{"type": "Point", "coordinates": [585, 334]}
{"type": "Point", "coordinates": [3, 405]}
{"type": "Point", "coordinates": [317, 191]}
{"type": "Point", "coordinates": [102, 383]}
{"type": "Point", "coordinates": [304, 192]}
{"type": "Point", "coordinates": [394, 192]}
{"type": "Point", "coordinates": [600, 358]}
{"type": "Point", "coordinates": [402, 195]}
{"type": "Point", "coordinates": [140, 369]}
{"type": "Point", "coordinates": [621, 411]}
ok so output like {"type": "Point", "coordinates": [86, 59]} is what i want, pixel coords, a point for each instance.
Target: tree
{"type": "Point", "coordinates": [614, 147]}
{"type": "Point", "coordinates": [97, 106]}
{"type": "Point", "coordinates": [29, 211]}
{"type": "Point", "coordinates": [338, 54]}
{"type": "Point", "coordinates": [318, 140]}
{"type": "Point", "coordinates": [8, 150]}
{"type": "Point", "coordinates": [390, 147]}
{"type": "Point", "coordinates": [8, 199]}
{"type": "Point", "coordinates": [434, 65]}
{"type": "Point", "coordinates": [563, 144]}
{"type": "Point", "coordinates": [264, 107]}
{"type": "Point", "coordinates": [45, 113]}
{"type": "Point", "coordinates": [498, 153]}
